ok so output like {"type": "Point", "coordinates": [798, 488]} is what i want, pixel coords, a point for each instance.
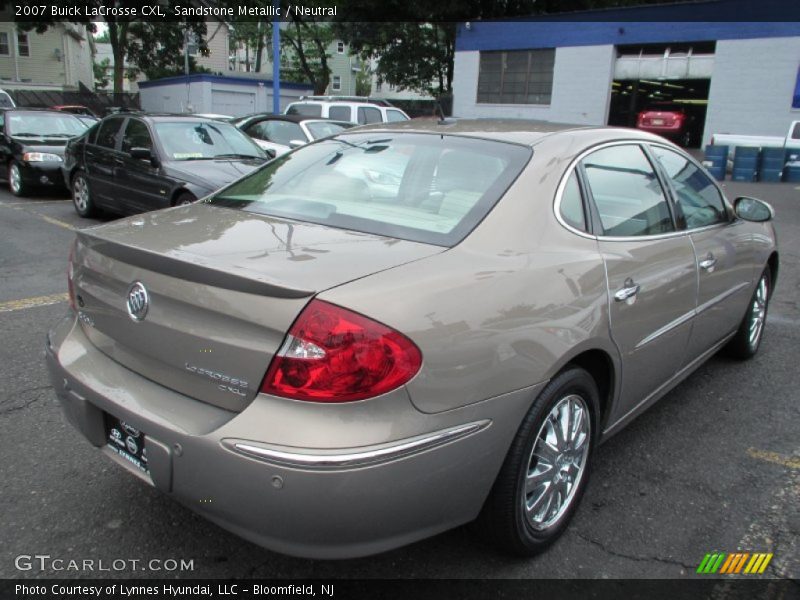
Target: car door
{"type": "Point", "coordinates": [99, 161]}
{"type": "Point", "coordinates": [369, 114]}
{"type": "Point", "coordinates": [138, 180]}
{"type": "Point", "coordinates": [723, 249]}
{"type": "Point", "coordinates": [650, 266]}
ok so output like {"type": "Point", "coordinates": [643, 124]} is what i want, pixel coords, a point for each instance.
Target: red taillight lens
{"type": "Point", "coordinates": [70, 276]}
{"type": "Point", "coordinates": [332, 354]}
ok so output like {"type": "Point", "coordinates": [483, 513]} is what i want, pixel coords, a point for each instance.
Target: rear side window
{"type": "Point", "coordinates": [109, 129]}
{"type": "Point", "coordinates": [428, 188]}
{"type": "Point", "coordinates": [697, 196]}
{"type": "Point", "coordinates": [6, 101]}
{"type": "Point", "coordinates": [307, 110]}
{"type": "Point", "coordinates": [626, 192]}
{"type": "Point", "coordinates": [393, 116]}
{"type": "Point", "coordinates": [339, 113]}
{"type": "Point", "coordinates": [367, 114]}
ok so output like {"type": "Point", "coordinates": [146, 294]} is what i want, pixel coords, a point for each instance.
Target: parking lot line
{"type": "Point", "coordinates": [53, 221]}
{"type": "Point", "coordinates": [774, 457]}
{"type": "Point", "coordinates": [24, 303]}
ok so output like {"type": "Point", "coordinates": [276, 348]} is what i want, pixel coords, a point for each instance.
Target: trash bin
{"type": "Point", "coordinates": [791, 169]}
{"type": "Point", "coordinates": [716, 161]}
{"type": "Point", "coordinates": [745, 163]}
{"type": "Point", "coordinates": [771, 165]}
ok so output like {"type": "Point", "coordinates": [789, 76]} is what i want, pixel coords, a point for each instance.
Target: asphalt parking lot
{"type": "Point", "coordinates": [714, 466]}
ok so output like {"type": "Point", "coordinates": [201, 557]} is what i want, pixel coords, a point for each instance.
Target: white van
{"type": "Point", "coordinates": [355, 109]}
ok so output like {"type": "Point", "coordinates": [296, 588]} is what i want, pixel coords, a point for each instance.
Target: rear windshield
{"type": "Point", "coordinates": [307, 110]}
{"type": "Point", "coordinates": [321, 129]}
{"type": "Point", "coordinates": [428, 188]}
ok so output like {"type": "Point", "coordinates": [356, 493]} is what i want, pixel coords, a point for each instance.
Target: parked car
{"type": "Point", "coordinates": [6, 101]}
{"type": "Point", "coordinates": [355, 109]}
{"type": "Point", "coordinates": [339, 375]}
{"type": "Point", "coordinates": [75, 109]}
{"type": "Point", "coordinates": [32, 147]}
{"type": "Point", "coordinates": [88, 120]}
{"type": "Point", "coordinates": [280, 133]}
{"type": "Point", "coordinates": [670, 121]}
{"type": "Point", "coordinates": [215, 116]}
{"type": "Point", "coordinates": [130, 163]}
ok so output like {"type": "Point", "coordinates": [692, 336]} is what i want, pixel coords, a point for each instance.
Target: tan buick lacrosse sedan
{"type": "Point", "coordinates": [396, 330]}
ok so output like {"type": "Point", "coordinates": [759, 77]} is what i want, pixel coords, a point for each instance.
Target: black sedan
{"type": "Point", "coordinates": [32, 146]}
{"type": "Point", "coordinates": [131, 163]}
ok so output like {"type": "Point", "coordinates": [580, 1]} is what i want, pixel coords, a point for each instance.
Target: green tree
{"type": "Point", "coordinates": [364, 81]}
{"type": "Point", "coordinates": [101, 70]}
{"type": "Point", "coordinates": [304, 44]}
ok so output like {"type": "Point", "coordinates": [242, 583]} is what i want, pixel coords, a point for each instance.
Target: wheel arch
{"type": "Point", "coordinates": [603, 365]}
{"type": "Point", "coordinates": [773, 263]}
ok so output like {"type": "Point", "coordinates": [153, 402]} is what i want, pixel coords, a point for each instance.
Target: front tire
{"type": "Point", "coordinates": [16, 184]}
{"type": "Point", "coordinates": [747, 341]}
{"type": "Point", "coordinates": [546, 470]}
{"type": "Point", "coordinates": [82, 197]}
{"type": "Point", "coordinates": [184, 198]}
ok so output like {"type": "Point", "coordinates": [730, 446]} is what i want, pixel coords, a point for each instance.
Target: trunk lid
{"type": "Point", "coordinates": [223, 287]}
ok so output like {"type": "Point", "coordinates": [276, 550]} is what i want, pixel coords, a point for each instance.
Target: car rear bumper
{"type": "Point", "coordinates": [398, 478]}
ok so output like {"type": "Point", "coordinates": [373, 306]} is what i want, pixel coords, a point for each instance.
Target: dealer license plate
{"type": "Point", "coordinates": [126, 441]}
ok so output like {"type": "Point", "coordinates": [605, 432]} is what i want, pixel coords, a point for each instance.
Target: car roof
{"type": "Point", "coordinates": [35, 110]}
{"type": "Point", "coordinates": [520, 131]}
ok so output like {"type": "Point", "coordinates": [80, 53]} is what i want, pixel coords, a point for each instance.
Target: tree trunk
{"type": "Point", "coordinates": [117, 36]}
{"type": "Point", "coordinates": [259, 48]}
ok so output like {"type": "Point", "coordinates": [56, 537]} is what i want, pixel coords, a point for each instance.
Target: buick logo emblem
{"type": "Point", "coordinates": [138, 301]}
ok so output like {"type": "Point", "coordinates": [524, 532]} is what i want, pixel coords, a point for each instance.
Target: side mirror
{"type": "Point", "coordinates": [296, 144]}
{"type": "Point", "coordinates": [753, 209]}
{"type": "Point", "coordinates": [270, 152]}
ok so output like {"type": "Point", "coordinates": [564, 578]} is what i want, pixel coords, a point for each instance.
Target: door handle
{"type": "Point", "coordinates": [626, 293]}
{"type": "Point", "coordinates": [709, 263]}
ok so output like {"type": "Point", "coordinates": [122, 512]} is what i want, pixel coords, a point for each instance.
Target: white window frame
{"type": "Point", "coordinates": [336, 83]}
{"type": "Point", "coordinates": [340, 47]}
{"type": "Point", "coordinates": [8, 44]}
{"type": "Point", "coordinates": [27, 44]}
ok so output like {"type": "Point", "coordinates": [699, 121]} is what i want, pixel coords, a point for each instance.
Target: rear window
{"type": "Point", "coordinates": [426, 188]}
{"type": "Point", "coordinates": [321, 129]}
{"type": "Point", "coordinates": [307, 110]}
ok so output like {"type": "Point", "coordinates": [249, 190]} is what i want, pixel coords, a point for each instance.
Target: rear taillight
{"type": "Point", "coordinates": [332, 354]}
{"type": "Point", "coordinates": [70, 276]}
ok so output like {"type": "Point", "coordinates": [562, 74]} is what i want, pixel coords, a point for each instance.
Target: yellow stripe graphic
{"type": "Point", "coordinates": [13, 305]}
{"type": "Point", "coordinates": [753, 564]}
{"type": "Point", "coordinates": [765, 563]}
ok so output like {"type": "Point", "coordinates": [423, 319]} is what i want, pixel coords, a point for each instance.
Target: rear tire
{"type": "Point", "coordinates": [747, 341]}
{"type": "Point", "coordinates": [545, 473]}
{"type": "Point", "coordinates": [82, 196]}
{"type": "Point", "coordinates": [16, 184]}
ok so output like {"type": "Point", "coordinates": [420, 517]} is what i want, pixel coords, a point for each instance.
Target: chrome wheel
{"type": "Point", "coordinates": [15, 179]}
{"type": "Point", "coordinates": [758, 312]}
{"type": "Point", "coordinates": [557, 462]}
{"type": "Point", "coordinates": [80, 193]}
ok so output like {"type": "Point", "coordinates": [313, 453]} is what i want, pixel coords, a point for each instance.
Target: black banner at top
{"type": "Point", "coordinates": [232, 11]}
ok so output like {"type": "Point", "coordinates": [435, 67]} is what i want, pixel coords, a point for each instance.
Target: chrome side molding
{"type": "Point", "coordinates": [356, 457]}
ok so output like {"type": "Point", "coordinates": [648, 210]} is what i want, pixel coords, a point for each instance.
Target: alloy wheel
{"type": "Point", "coordinates": [758, 312]}
{"type": "Point", "coordinates": [80, 193]}
{"type": "Point", "coordinates": [14, 178]}
{"type": "Point", "coordinates": [557, 462]}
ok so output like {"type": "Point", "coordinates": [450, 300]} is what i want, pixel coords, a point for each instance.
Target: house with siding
{"type": "Point", "coordinates": [58, 59]}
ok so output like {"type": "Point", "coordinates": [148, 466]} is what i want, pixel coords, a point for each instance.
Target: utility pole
{"type": "Point", "coordinates": [276, 59]}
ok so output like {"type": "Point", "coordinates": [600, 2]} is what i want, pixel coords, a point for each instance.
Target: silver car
{"type": "Point", "coordinates": [333, 368]}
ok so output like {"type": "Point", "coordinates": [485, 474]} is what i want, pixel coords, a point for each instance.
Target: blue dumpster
{"type": "Point", "coordinates": [771, 165]}
{"type": "Point", "coordinates": [745, 163]}
{"type": "Point", "coordinates": [791, 169]}
{"type": "Point", "coordinates": [716, 161]}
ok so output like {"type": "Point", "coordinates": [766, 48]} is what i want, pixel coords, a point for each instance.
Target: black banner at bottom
{"type": "Point", "coordinates": [411, 589]}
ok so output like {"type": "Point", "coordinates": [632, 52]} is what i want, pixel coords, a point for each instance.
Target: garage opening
{"type": "Point", "coordinates": [663, 88]}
